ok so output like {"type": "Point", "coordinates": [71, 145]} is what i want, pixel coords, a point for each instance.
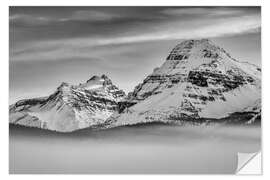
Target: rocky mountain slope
{"type": "Point", "coordinates": [199, 81]}
{"type": "Point", "coordinates": [70, 107]}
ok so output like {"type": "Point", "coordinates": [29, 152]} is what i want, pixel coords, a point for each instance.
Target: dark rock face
{"type": "Point", "coordinates": [228, 81]}
{"type": "Point", "coordinates": [122, 105]}
{"type": "Point", "coordinates": [177, 57]}
{"type": "Point", "coordinates": [200, 79]}
{"type": "Point", "coordinates": [197, 78]}
{"type": "Point", "coordinates": [83, 100]}
{"type": "Point", "coordinates": [181, 53]}
{"type": "Point", "coordinates": [116, 93]}
{"type": "Point", "coordinates": [210, 54]}
{"type": "Point", "coordinates": [160, 81]}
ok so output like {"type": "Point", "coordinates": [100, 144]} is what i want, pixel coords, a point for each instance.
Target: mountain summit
{"type": "Point", "coordinates": [201, 48]}
{"type": "Point", "coordinates": [198, 82]}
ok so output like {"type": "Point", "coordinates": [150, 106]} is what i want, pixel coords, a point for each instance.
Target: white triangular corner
{"type": "Point", "coordinates": [249, 163]}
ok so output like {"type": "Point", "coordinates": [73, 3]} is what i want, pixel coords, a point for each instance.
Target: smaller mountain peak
{"type": "Point", "coordinates": [64, 87]}
{"type": "Point", "coordinates": [64, 84]}
{"type": "Point", "coordinates": [106, 79]}
{"type": "Point", "coordinates": [103, 76]}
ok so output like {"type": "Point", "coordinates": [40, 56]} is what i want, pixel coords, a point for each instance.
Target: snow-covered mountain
{"type": "Point", "coordinates": [199, 81]}
{"type": "Point", "coordinates": [70, 107]}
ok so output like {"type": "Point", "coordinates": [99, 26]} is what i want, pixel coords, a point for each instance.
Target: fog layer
{"type": "Point", "coordinates": [138, 149]}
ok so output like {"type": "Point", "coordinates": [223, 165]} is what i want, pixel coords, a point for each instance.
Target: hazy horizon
{"type": "Point", "coordinates": [50, 45]}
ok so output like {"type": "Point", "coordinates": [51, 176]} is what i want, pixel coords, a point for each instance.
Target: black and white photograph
{"type": "Point", "coordinates": [134, 89]}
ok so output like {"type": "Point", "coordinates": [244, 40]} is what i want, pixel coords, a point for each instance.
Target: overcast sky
{"type": "Point", "coordinates": [49, 45]}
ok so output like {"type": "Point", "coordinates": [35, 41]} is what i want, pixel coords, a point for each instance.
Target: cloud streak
{"type": "Point", "coordinates": [203, 11]}
{"type": "Point", "coordinates": [184, 23]}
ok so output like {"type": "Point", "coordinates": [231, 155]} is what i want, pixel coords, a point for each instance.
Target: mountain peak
{"type": "Point", "coordinates": [103, 77]}
{"type": "Point", "coordinates": [194, 42]}
{"type": "Point", "coordinates": [93, 78]}
{"type": "Point", "coordinates": [197, 41]}
{"type": "Point", "coordinates": [203, 48]}
{"type": "Point", "coordinates": [63, 86]}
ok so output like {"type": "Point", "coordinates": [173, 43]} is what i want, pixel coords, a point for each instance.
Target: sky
{"type": "Point", "coordinates": [50, 45]}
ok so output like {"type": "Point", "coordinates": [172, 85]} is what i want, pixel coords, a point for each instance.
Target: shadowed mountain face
{"type": "Point", "coordinates": [198, 81]}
